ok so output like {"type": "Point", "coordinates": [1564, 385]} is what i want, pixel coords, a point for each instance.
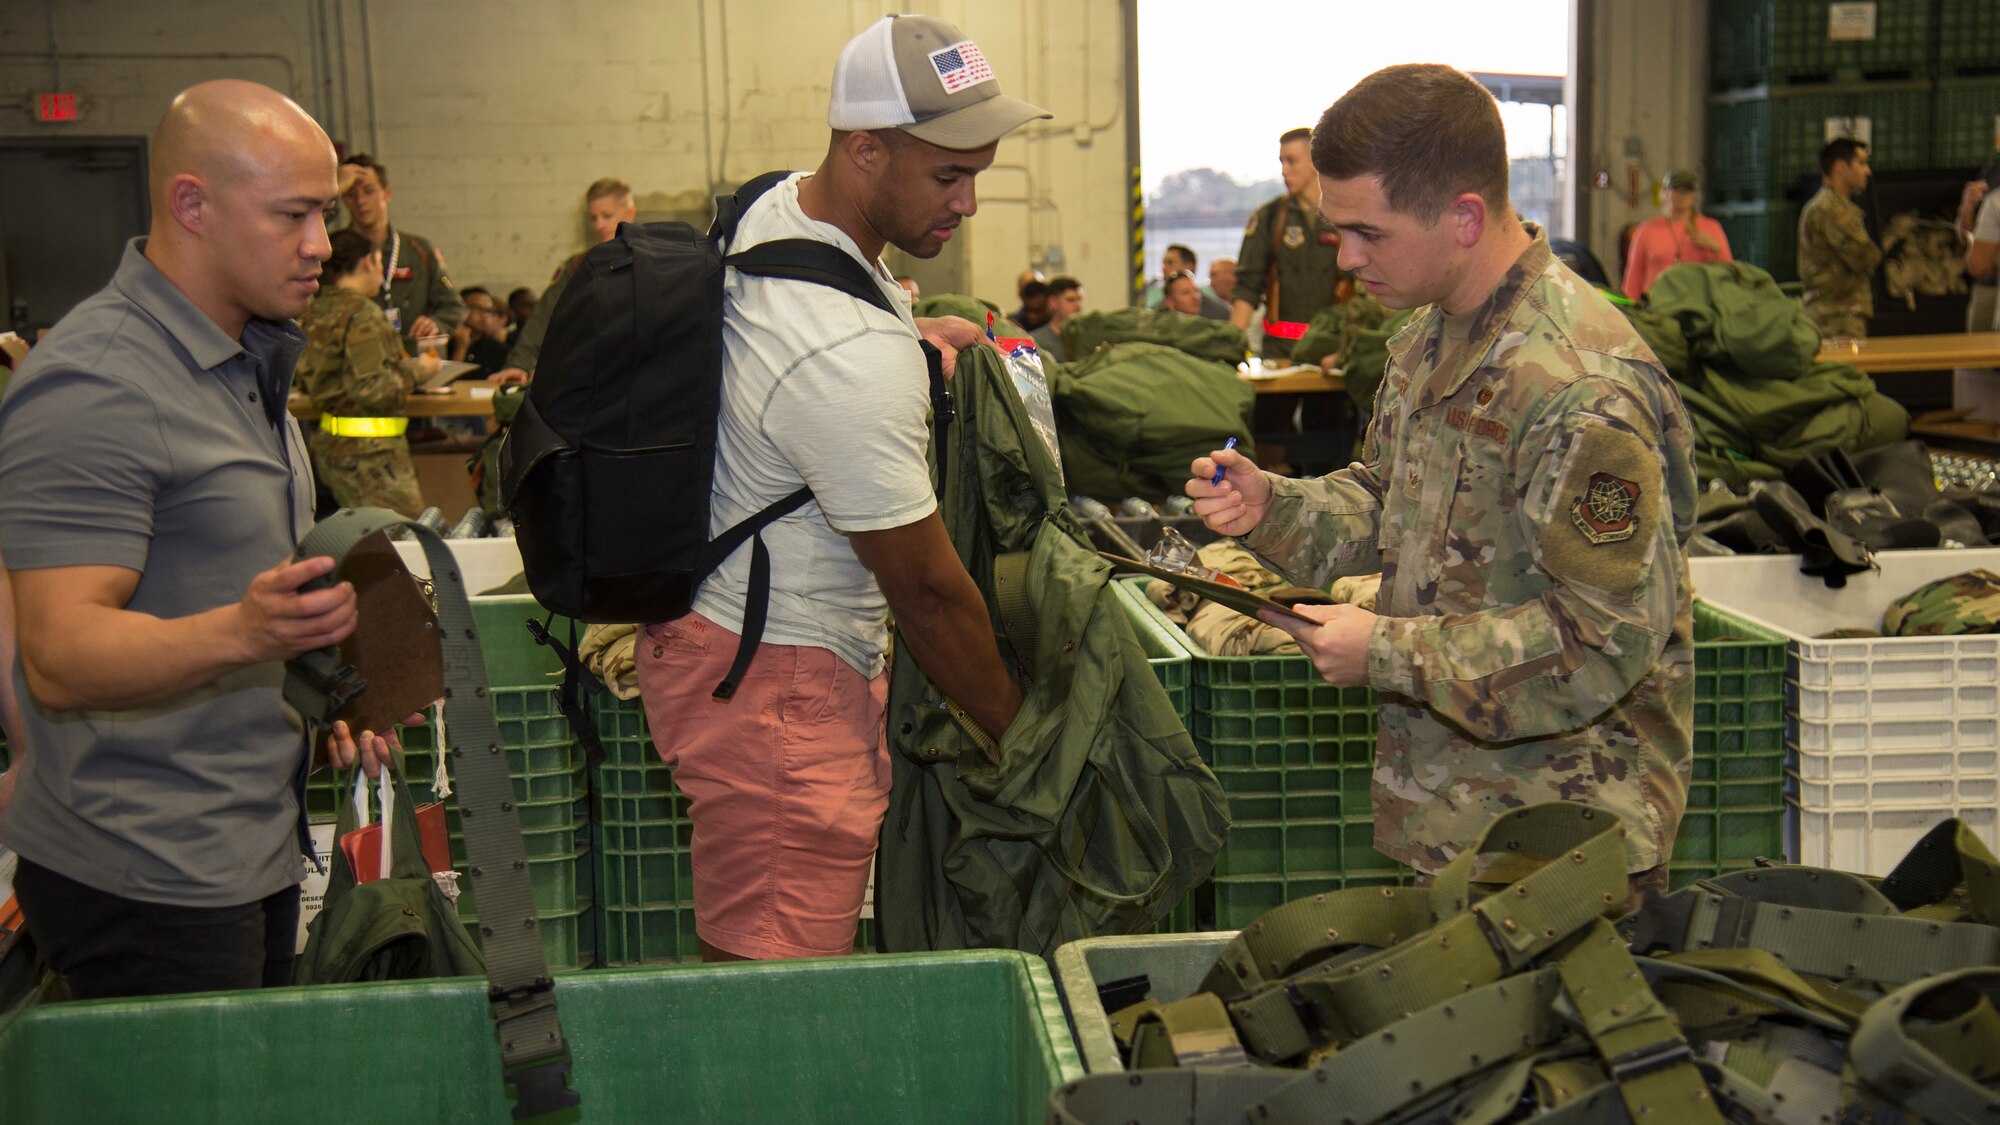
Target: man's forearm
{"type": "Point", "coordinates": [950, 635]}
{"type": "Point", "coordinates": [115, 659]}
{"type": "Point", "coordinates": [1240, 313]}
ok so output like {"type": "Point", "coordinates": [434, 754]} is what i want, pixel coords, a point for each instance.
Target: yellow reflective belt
{"type": "Point", "coordinates": [364, 427]}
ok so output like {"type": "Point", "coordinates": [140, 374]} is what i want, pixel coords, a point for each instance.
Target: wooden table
{"type": "Point", "coordinates": [1307, 382]}
{"type": "Point", "coordinates": [460, 403]}
{"type": "Point", "coordinates": [1917, 353]}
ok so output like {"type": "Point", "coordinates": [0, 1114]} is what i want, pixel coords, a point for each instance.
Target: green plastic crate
{"type": "Point", "coordinates": [1165, 654]}
{"type": "Point", "coordinates": [1736, 804]}
{"type": "Point", "coordinates": [974, 1037]}
{"type": "Point", "coordinates": [644, 860]}
{"type": "Point", "coordinates": [1778, 42]}
{"type": "Point", "coordinates": [1968, 38]}
{"type": "Point", "coordinates": [1763, 234]}
{"type": "Point", "coordinates": [1966, 108]}
{"type": "Point", "coordinates": [1296, 757]}
{"type": "Point", "coordinates": [1173, 964]}
{"type": "Point", "coordinates": [542, 757]}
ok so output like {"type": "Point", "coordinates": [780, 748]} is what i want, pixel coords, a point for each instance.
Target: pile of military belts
{"type": "Point", "coordinates": [1504, 991]}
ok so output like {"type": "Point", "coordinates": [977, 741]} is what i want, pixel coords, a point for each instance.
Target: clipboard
{"type": "Point", "coordinates": [448, 369]}
{"type": "Point", "coordinates": [1235, 597]}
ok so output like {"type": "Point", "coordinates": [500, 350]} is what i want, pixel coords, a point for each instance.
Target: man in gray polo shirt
{"type": "Point", "coordinates": [152, 489]}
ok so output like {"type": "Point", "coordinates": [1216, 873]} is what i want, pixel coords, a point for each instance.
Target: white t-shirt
{"type": "Point", "coordinates": [824, 390]}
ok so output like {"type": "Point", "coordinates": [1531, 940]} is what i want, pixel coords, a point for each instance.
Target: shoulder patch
{"type": "Point", "coordinates": [1606, 513]}
{"type": "Point", "coordinates": [1251, 226]}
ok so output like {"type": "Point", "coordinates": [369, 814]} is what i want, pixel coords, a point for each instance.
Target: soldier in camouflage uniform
{"type": "Point", "coordinates": [1526, 491]}
{"type": "Point", "coordinates": [355, 373]}
{"type": "Point", "coordinates": [1837, 259]}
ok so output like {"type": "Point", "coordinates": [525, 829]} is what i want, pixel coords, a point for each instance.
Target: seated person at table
{"type": "Point", "coordinates": [1065, 301]}
{"type": "Point", "coordinates": [482, 339]}
{"type": "Point", "coordinates": [355, 372]}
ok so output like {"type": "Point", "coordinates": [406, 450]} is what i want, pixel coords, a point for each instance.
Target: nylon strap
{"type": "Point", "coordinates": [1826, 943]}
{"type": "Point", "coordinates": [1912, 1075]}
{"type": "Point", "coordinates": [1015, 610]}
{"type": "Point", "coordinates": [1949, 855]}
{"type": "Point", "coordinates": [1634, 1034]}
{"type": "Point", "coordinates": [520, 991]}
{"type": "Point", "coordinates": [1191, 1032]}
{"type": "Point", "coordinates": [1495, 937]}
{"type": "Point", "coordinates": [364, 427]}
{"type": "Point", "coordinates": [1309, 930]}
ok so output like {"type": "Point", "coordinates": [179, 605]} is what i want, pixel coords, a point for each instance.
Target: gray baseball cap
{"type": "Point", "coordinates": [927, 78]}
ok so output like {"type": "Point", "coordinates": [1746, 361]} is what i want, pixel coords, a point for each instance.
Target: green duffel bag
{"type": "Point", "coordinates": [1216, 340]}
{"type": "Point", "coordinates": [1131, 417]}
{"type": "Point", "coordinates": [399, 927]}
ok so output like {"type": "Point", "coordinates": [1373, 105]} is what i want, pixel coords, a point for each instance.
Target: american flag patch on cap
{"type": "Point", "coordinates": [960, 65]}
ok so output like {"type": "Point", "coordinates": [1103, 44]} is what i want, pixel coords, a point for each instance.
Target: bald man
{"type": "Point", "coordinates": [152, 489]}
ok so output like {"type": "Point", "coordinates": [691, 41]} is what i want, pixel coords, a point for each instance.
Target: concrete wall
{"type": "Point", "coordinates": [1639, 73]}
{"type": "Point", "coordinates": [494, 116]}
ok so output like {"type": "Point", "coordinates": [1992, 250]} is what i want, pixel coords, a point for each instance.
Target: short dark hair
{"type": "Point", "coordinates": [523, 292]}
{"type": "Point", "coordinates": [1034, 289]}
{"type": "Point", "coordinates": [1295, 135]}
{"type": "Point", "coordinates": [349, 249]}
{"type": "Point", "coordinates": [1060, 285]}
{"type": "Point", "coordinates": [363, 160]}
{"type": "Point", "coordinates": [1183, 252]}
{"type": "Point", "coordinates": [1429, 132]}
{"type": "Point", "coordinates": [1839, 150]}
{"type": "Point", "coordinates": [479, 289]}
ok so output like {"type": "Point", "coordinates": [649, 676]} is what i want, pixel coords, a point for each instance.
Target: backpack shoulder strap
{"type": "Point", "coordinates": [729, 209]}
{"type": "Point", "coordinates": [821, 263]}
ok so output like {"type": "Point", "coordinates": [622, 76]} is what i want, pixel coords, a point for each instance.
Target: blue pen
{"type": "Point", "coordinates": [1219, 470]}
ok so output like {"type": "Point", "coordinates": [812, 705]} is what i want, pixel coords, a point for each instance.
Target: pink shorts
{"type": "Point", "coordinates": [787, 785]}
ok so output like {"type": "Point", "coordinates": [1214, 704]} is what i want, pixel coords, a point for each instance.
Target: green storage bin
{"type": "Point", "coordinates": [1968, 38]}
{"type": "Point", "coordinates": [1765, 235]}
{"type": "Point", "coordinates": [1736, 803]}
{"type": "Point", "coordinates": [1966, 108]}
{"type": "Point", "coordinates": [1779, 42]}
{"type": "Point", "coordinates": [1173, 964]}
{"type": "Point", "coordinates": [1165, 654]}
{"type": "Point", "coordinates": [975, 1037]}
{"type": "Point", "coordinates": [513, 659]}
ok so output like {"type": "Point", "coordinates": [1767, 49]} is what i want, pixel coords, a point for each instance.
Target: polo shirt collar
{"type": "Point", "coordinates": [206, 343]}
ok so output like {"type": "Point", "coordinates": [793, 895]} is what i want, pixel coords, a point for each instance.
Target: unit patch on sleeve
{"type": "Point", "coordinates": [1604, 515]}
{"type": "Point", "coordinates": [1608, 509]}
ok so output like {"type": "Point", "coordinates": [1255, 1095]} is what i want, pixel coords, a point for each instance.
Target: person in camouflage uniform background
{"type": "Point", "coordinates": [354, 368]}
{"type": "Point", "coordinates": [1837, 259]}
{"type": "Point", "coordinates": [1527, 490]}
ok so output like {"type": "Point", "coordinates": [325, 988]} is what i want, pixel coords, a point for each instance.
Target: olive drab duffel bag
{"type": "Point", "coordinates": [1505, 992]}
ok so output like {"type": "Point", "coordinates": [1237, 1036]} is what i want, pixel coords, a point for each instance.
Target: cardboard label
{"type": "Point", "coordinates": [1848, 23]}
{"type": "Point", "coordinates": [312, 889]}
{"type": "Point", "coordinates": [1860, 128]}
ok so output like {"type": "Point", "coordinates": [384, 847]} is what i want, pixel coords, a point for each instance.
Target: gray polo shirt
{"type": "Point", "coordinates": [139, 435]}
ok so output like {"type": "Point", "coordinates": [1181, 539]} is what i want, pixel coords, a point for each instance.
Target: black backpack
{"type": "Point", "coordinates": [607, 468]}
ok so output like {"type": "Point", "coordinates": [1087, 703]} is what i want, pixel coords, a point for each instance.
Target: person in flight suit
{"type": "Point", "coordinates": [1290, 259]}
{"type": "Point", "coordinates": [416, 292]}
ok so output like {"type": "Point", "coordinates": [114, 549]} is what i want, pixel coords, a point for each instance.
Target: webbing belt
{"type": "Point", "coordinates": [363, 427]}
{"type": "Point", "coordinates": [520, 991]}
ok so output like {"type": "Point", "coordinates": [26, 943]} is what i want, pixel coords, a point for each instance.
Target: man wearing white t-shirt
{"type": "Point", "coordinates": [789, 780]}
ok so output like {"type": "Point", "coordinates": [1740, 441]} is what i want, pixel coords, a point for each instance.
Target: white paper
{"type": "Point", "coordinates": [1847, 23]}
{"type": "Point", "coordinates": [1860, 128]}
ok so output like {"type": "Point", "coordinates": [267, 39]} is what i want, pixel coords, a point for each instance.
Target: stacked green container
{"type": "Point", "coordinates": [1297, 756]}
{"type": "Point", "coordinates": [1928, 81]}
{"type": "Point", "coordinates": [645, 877]}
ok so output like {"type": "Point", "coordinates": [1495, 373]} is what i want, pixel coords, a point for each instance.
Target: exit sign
{"type": "Point", "coordinates": [55, 107]}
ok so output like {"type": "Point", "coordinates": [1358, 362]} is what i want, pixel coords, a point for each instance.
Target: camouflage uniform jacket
{"type": "Point", "coordinates": [528, 345]}
{"type": "Point", "coordinates": [1527, 490]}
{"type": "Point", "coordinates": [352, 366]}
{"type": "Point", "coordinates": [1837, 259]}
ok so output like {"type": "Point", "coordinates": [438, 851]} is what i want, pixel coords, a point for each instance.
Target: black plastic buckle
{"type": "Point", "coordinates": [1645, 1060]}
{"type": "Point", "coordinates": [543, 1088]}
{"type": "Point", "coordinates": [340, 687]}
{"type": "Point", "coordinates": [1661, 923]}
{"type": "Point", "coordinates": [1120, 994]}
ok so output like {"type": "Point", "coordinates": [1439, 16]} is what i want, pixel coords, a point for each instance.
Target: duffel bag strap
{"type": "Point", "coordinates": [520, 992]}
{"type": "Point", "coordinates": [1635, 1036]}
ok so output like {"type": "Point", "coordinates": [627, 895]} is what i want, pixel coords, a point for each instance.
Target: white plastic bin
{"type": "Point", "coordinates": [1886, 736]}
